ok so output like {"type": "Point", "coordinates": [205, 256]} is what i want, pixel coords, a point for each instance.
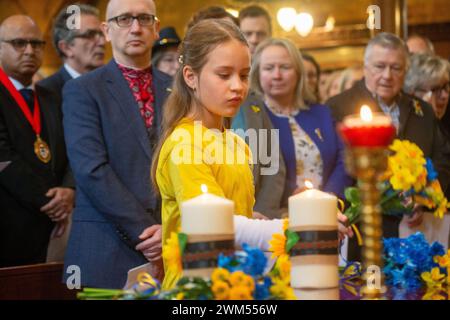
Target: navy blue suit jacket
{"type": "Point", "coordinates": [110, 153]}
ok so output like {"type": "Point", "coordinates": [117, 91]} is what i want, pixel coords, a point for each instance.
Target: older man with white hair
{"type": "Point", "coordinates": [386, 62]}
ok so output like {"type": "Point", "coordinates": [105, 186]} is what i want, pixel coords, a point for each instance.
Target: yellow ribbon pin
{"type": "Point", "coordinates": [319, 134]}
{"type": "Point", "coordinates": [255, 109]}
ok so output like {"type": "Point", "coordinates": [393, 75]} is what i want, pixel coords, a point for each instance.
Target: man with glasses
{"type": "Point", "coordinates": [36, 187]}
{"type": "Point", "coordinates": [82, 50]}
{"type": "Point", "coordinates": [386, 61]}
{"type": "Point", "coordinates": [112, 118]}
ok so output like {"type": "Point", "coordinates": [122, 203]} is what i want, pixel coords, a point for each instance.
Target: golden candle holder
{"type": "Point", "coordinates": [368, 164]}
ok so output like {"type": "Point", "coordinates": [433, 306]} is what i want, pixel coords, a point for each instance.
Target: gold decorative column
{"type": "Point", "coordinates": [367, 138]}
{"type": "Point", "coordinates": [367, 165]}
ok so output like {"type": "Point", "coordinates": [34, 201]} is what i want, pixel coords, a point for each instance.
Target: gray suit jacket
{"type": "Point", "coordinates": [269, 180]}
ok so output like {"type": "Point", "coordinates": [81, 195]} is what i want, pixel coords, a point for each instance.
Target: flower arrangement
{"type": "Point", "coordinates": [411, 262]}
{"type": "Point", "coordinates": [237, 277]}
{"type": "Point", "coordinates": [409, 180]}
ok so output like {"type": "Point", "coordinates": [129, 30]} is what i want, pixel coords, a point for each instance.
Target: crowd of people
{"type": "Point", "coordinates": [95, 144]}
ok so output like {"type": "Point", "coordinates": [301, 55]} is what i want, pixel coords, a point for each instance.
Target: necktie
{"type": "Point", "coordinates": [28, 95]}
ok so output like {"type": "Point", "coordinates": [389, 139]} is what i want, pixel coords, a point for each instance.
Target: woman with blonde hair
{"type": "Point", "coordinates": [310, 147]}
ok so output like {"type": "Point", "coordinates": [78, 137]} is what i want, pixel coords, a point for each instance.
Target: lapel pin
{"type": "Point", "coordinates": [255, 108]}
{"type": "Point", "coordinates": [318, 134]}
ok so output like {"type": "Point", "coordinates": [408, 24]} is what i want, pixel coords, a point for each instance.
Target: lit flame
{"type": "Point", "coordinates": [366, 114]}
{"type": "Point", "coordinates": [204, 188]}
{"type": "Point", "coordinates": [308, 184]}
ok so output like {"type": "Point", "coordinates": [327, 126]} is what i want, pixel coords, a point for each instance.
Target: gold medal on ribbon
{"type": "Point", "coordinates": [42, 150]}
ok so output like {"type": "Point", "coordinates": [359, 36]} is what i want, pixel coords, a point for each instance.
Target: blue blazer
{"type": "Point", "coordinates": [318, 123]}
{"type": "Point", "coordinates": [110, 153]}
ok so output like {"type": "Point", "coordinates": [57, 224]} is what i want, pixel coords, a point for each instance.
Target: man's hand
{"type": "Point", "coordinates": [416, 219]}
{"type": "Point", "coordinates": [151, 246]}
{"type": "Point", "coordinates": [61, 203]}
{"type": "Point", "coordinates": [342, 227]}
{"type": "Point", "coordinates": [59, 228]}
{"type": "Point", "coordinates": [258, 215]}
{"type": "Point", "coordinates": [157, 270]}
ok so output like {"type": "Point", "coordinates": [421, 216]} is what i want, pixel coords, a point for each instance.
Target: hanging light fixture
{"type": "Point", "coordinates": [329, 24]}
{"type": "Point", "coordinates": [233, 12]}
{"type": "Point", "coordinates": [304, 24]}
{"type": "Point", "coordinates": [286, 18]}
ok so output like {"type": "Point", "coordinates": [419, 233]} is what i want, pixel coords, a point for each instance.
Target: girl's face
{"type": "Point", "coordinates": [278, 77]}
{"type": "Point", "coordinates": [222, 84]}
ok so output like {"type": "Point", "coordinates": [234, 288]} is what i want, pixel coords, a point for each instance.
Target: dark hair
{"type": "Point", "coordinates": [212, 12]}
{"type": "Point", "coordinates": [200, 40]}
{"type": "Point", "coordinates": [311, 59]}
{"type": "Point", "coordinates": [254, 11]}
{"type": "Point", "coordinates": [60, 29]}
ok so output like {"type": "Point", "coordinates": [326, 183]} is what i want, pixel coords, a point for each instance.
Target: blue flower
{"type": "Point", "coordinates": [431, 173]}
{"type": "Point", "coordinates": [437, 249]}
{"type": "Point", "coordinates": [262, 290]}
{"type": "Point", "coordinates": [253, 260]}
{"type": "Point", "coordinates": [228, 262]}
{"type": "Point", "coordinates": [407, 258]}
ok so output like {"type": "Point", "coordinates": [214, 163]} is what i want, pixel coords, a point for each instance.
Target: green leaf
{"type": "Point", "coordinates": [292, 239]}
{"type": "Point", "coordinates": [352, 195]}
{"type": "Point", "coordinates": [182, 240]}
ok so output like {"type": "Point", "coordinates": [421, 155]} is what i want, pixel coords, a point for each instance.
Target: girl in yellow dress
{"type": "Point", "coordinates": [195, 147]}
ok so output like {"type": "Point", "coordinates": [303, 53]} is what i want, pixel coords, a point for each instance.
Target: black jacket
{"type": "Point", "coordinates": [24, 230]}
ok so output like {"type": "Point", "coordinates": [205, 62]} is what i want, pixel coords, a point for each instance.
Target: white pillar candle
{"type": "Point", "coordinates": [313, 207]}
{"type": "Point", "coordinates": [207, 214]}
{"type": "Point", "coordinates": [314, 211]}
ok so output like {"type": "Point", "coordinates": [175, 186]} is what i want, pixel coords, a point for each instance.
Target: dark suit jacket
{"type": "Point", "coordinates": [420, 129]}
{"type": "Point", "coordinates": [24, 230]}
{"type": "Point", "coordinates": [56, 83]}
{"type": "Point", "coordinates": [110, 153]}
{"type": "Point", "coordinates": [423, 130]}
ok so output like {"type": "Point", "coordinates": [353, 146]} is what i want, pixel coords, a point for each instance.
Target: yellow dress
{"type": "Point", "coordinates": [194, 155]}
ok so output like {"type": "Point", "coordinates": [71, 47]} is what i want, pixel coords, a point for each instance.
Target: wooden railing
{"type": "Point", "coordinates": [34, 282]}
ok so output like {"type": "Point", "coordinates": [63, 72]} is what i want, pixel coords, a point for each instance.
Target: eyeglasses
{"type": "Point", "coordinates": [126, 20]}
{"type": "Point", "coordinates": [21, 44]}
{"type": "Point", "coordinates": [437, 89]}
{"type": "Point", "coordinates": [89, 34]}
{"type": "Point", "coordinates": [380, 67]}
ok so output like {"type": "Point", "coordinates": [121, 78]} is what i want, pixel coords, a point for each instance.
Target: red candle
{"type": "Point", "coordinates": [367, 130]}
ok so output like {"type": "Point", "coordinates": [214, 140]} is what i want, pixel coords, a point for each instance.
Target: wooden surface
{"type": "Point", "coordinates": [35, 282]}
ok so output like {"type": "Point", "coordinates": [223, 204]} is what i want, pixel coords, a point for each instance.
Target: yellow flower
{"type": "Point", "coordinates": [433, 294]}
{"type": "Point", "coordinates": [406, 167]}
{"type": "Point", "coordinates": [285, 224]}
{"type": "Point", "coordinates": [240, 293]}
{"type": "Point", "coordinates": [427, 202]}
{"type": "Point", "coordinates": [442, 209]}
{"type": "Point", "coordinates": [172, 254]}
{"type": "Point", "coordinates": [434, 278]}
{"type": "Point", "coordinates": [180, 296]}
{"type": "Point", "coordinates": [282, 290]}
{"type": "Point", "coordinates": [220, 274]}
{"type": "Point", "coordinates": [444, 261]}
{"type": "Point", "coordinates": [240, 279]}
{"type": "Point", "coordinates": [283, 265]}
{"type": "Point", "coordinates": [277, 245]}
{"type": "Point", "coordinates": [221, 290]}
